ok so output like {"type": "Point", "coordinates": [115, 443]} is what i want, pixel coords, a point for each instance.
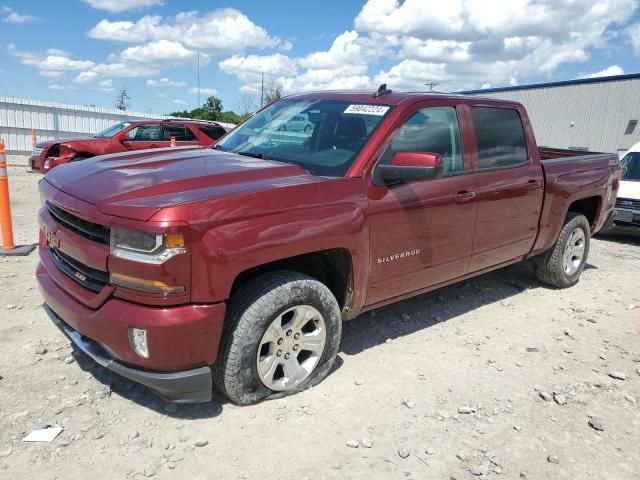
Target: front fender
{"type": "Point", "coordinates": [67, 152]}
{"type": "Point", "coordinates": [225, 251]}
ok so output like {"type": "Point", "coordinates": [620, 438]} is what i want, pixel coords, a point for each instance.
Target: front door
{"type": "Point", "coordinates": [145, 136]}
{"type": "Point", "coordinates": [421, 232]}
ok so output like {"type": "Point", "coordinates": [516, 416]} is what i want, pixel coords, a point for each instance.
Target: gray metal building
{"type": "Point", "coordinates": [597, 114]}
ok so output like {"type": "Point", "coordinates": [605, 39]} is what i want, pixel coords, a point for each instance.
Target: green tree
{"type": "Point", "coordinates": [211, 110]}
{"type": "Point", "coordinates": [272, 92]}
{"type": "Point", "coordinates": [123, 100]}
{"type": "Point", "coordinates": [230, 117]}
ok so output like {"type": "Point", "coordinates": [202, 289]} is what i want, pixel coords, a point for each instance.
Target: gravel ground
{"type": "Point", "coordinates": [496, 377]}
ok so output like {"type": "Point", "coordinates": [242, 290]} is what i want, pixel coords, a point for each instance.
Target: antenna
{"type": "Point", "coordinates": [382, 90]}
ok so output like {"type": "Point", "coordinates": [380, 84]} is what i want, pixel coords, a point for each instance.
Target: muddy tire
{"type": "Point", "coordinates": [562, 264]}
{"type": "Point", "coordinates": [281, 336]}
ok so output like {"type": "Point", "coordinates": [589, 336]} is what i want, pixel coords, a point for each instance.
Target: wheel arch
{"type": "Point", "coordinates": [589, 207]}
{"type": "Point", "coordinates": [333, 267]}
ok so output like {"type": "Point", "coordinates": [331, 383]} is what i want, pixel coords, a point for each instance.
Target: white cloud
{"type": "Point", "coordinates": [160, 53]}
{"type": "Point", "coordinates": [250, 67]}
{"type": "Point", "coordinates": [106, 86]}
{"type": "Point", "coordinates": [56, 86]}
{"type": "Point", "coordinates": [50, 60]}
{"type": "Point", "coordinates": [51, 74]}
{"type": "Point", "coordinates": [224, 30]}
{"type": "Point", "coordinates": [607, 72]}
{"type": "Point", "coordinates": [165, 82]}
{"type": "Point", "coordinates": [116, 6]}
{"type": "Point", "coordinates": [11, 16]}
{"type": "Point", "coordinates": [203, 91]}
{"type": "Point", "coordinates": [86, 78]}
{"type": "Point", "coordinates": [178, 101]}
{"type": "Point", "coordinates": [463, 44]}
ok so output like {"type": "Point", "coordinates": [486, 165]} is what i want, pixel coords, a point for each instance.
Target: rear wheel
{"type": "Point", "coordinates": [281, 336]}
{"type": "Point", "coordinates": [562, 265]}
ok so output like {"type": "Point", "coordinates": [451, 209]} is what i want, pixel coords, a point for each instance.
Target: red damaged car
{"type": "Point", "coordinates": [124, 137]}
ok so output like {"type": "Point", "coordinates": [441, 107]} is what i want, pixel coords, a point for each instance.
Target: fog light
{"type": "Point", "coordinates": [138, 340]}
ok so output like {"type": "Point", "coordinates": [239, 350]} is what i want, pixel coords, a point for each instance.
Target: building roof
{"type": "Point", "coordinates": [581, 81]}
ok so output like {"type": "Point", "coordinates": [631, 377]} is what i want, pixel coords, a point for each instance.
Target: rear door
{"type": "Point", "coordinates": [143, 136]}
{"type": "Point", "coordinates": [508, 185]}
{"type": "Point", "coordinates": [421, 232]}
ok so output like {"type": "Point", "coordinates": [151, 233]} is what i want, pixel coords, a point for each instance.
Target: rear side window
{"type": "Point", "coordinates": [181, 132]}
{"type": "Point", "coordinates": [212, 132]}
{"type": "Point", "coordinates": [501, 141]}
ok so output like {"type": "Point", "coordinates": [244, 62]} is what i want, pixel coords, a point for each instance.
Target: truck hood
{"type": "Point", "coordinates": [629, 189]}
{"type": "Point", "coordinates": [138, 186]}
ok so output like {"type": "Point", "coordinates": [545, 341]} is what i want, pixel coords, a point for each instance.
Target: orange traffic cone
{"type": "Point", "coordinates": [8, 248]}
{"type": "Point", "coordinates": [173, 141]}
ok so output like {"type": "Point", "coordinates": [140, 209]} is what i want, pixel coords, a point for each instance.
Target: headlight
{"type": "Point", "coordinates": [154, 248]}
{"type": "Point", "coordinates": [37, 151]}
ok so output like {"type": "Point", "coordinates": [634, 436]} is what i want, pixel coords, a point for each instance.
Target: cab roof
{"type": "Point", "coordinates": [393, 98]}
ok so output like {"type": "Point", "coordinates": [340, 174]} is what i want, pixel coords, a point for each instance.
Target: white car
{"type": "Point", "coordinates": [626, 215]}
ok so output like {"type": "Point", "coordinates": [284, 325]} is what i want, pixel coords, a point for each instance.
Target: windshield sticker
{"type": "Point", "coordinates": [378, 110]}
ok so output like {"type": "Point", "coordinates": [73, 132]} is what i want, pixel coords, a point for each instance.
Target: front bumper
{"type": "Point", "coordinates": [183, 340]}
{"type": "Point", "coordinates": [624, 220]}
{"type": "Point", "coordinates": [189, 386]}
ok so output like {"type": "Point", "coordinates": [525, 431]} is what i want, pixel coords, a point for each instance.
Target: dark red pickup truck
{"type": "Point", "coordinates": [237, 265]}
{"type": "Point", "coordinates": [125, 137]}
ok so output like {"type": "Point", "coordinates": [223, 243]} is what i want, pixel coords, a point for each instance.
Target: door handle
{"type": "Point", "coordinates": [533, 185]}
{"type": "Point", "coordinates": [464, 197]}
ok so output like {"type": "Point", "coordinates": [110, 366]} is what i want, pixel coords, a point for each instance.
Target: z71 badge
{"type": "Point", "coordinates": [399, 256]}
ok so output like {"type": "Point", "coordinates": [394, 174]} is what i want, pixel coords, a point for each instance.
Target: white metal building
{"type": "Point", "coordinates": [596, 114]}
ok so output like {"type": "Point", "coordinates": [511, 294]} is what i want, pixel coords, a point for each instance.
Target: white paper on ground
{"type": "Point", "coordinates": [44, 435]}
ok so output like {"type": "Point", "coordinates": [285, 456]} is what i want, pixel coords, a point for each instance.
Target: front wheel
{"type": "Point", "coordinates": [562, 265]}
{"type": "Point", "coordinates": [281, 336]}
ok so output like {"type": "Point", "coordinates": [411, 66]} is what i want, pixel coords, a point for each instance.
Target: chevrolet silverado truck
{"type": "Point", "coordinates": [124, 137]}
{"type": "Point", "coordinates": [237, 265]}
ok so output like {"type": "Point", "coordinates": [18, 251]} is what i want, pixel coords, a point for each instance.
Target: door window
{"type": "Point", "coordinates": [145, 133]}
{"type": "Point", "coordinates": [213, 132]}
{"type": "Point", "coordinates": [432, 130]}
{"type": "Point", "coordinates": [501, 141]}
{"type": "Point", "coordinates": [180, 131]}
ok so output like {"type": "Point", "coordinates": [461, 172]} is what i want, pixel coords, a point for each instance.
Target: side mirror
{"type": "Point", "coordinates": [123, 137]}
{"type": "Point", "coordinates": [410, 166]}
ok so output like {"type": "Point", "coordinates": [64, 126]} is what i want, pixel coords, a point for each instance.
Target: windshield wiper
{"type": "Point", "coordinates": [219, 147]}
{"type": "Point", "coordinates": [261, 156]}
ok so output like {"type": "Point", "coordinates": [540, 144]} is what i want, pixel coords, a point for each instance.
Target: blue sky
{"type": "Point", "coordinates": [83, 51]}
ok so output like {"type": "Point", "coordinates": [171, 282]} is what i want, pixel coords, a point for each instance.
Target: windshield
{"type": "Point", "coordinates": [322, 136]}
{"type": "Point", "coordinates": [111, 131]}
{"type": "Point", "coordinates": [631, 167]}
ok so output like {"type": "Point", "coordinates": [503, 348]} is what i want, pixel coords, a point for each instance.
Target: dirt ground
{"type": "Point", "coordinates": [496, 377]}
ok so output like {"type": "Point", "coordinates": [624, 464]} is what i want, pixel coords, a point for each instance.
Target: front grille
{"type": "Point", "coordinates": [89, 278]}
{"type": "Point", "coordinates": [92, 231]}
{"type": "Point", "coordinates": [628, 203]}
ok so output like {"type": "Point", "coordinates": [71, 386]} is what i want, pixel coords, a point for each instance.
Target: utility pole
{"type": "Point", "coordinates": [199, 104]}
{"type": "Point", "coordinates": [431, 85]}
{"type": "Point", "coordinates": [262, 91]}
